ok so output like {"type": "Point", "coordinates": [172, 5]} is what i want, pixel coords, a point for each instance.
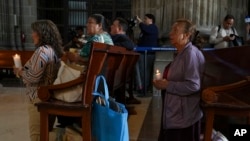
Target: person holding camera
{"type": "Point", "coordinates": [222, 35]}
{"type": "Point", "coordinates": [148, 38]}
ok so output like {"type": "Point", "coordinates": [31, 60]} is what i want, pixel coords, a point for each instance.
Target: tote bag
{"type": "Point", "coordinates": [65, 74]}
{"type": "Point", "coordinates": [109, 118]}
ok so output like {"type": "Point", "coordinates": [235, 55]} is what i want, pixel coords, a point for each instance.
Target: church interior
{"type": "Point", "coordinates": [225, 95]}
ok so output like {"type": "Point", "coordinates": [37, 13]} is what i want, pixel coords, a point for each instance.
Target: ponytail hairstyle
{"type": "Point", "coordinates": [190, 28]}
{"type": "Point", "coordinates": [100, 19]}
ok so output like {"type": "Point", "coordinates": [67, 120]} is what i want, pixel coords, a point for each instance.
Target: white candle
{"type": "Point", "coordinates": [15, 20]}
{"type": "Point", "coordinates": [157, 75]}
{"type": "Point", "coordinates": [17, 61]}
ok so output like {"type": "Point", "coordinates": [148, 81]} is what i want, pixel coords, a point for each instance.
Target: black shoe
{"type": "Point", "coordinates": [132, 101]}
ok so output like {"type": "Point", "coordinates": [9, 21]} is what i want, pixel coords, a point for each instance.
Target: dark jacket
{"type": "Point", "coordinates": [123, 41]}
{"type": "Point", "coordinates": [148, 36]}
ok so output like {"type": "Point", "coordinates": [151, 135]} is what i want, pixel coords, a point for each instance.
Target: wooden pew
{"type": "Point", "coordinates": [115, 62]}
{"type": "Point", "coordinates": [6, 57]}
{"type": "Point", "coordinates": [124, 76]}
{"type": "Point", "coordinates": [79, 109]}
{"type": "Point", "coordinates": [226, 90]}
{"type": "Point", "coordinates": [104, 59]}
{"type": "Point", "coordinates": [124, 67]}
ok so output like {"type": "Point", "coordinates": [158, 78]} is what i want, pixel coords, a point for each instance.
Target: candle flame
{"type": "Point", "coordinates": [16, 55]}
{"type": "Point", "coordinates": [157, 71]}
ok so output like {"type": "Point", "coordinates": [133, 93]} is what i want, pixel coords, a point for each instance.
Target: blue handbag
{"type": "Point", "coordinates": [109, 118]}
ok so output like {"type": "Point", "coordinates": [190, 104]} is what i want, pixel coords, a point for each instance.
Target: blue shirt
{"type": "Point", "coordinates": [102, 38]}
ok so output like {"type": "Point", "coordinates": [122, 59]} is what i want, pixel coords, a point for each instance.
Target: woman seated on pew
{"type": "Point", "coordinates": [97, 32]}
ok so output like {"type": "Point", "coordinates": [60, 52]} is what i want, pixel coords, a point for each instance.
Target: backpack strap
{"type": "Point", "coordinates": [233, 29]}
{"type": "Point", "coordinates": [219, 26]}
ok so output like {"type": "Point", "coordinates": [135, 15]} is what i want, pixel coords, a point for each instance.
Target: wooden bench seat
{"type": "Point", "coordinates": [104, 59]}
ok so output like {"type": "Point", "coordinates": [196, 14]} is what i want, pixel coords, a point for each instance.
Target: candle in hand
{"type": "Point", "coordinates": [17, 61]}
{"type": "Point", "coordinates": [157, 75]}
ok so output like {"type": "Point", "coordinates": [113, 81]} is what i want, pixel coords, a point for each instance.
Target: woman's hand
{"type": "Point", "coordinates": [17, 71]}
{"type": "Point", "coordinates": [227, 38]}
{"type": "Point", "coordinates": [160, 84]}
{"type": "Point", "coordinates": [72, 57]}
{"type": "Point", "coordinates": [138, 19]}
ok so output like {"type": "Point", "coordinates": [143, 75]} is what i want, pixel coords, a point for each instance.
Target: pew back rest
{"type": "Point", "coordinates": [6, 57]}
{"type": "Point", "coordinates": [224, 66]}
{"type": "Point", "coordinates": [95, 65]}
{"type": "Point", "coordinates": [96, 61]}
{"type": "Point", "coordinates": [120, 61]}
{"type": "Point", "coordinates": [125, 71]}
{"type": "Point", "coordinates": [104, 59]}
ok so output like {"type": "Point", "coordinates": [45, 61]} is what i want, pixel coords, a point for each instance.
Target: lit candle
{"type": "Point", "coordinates": [157, 75]}
{"type": "Point", "coordinates": [17, 61]}
{"type": "Point", "coordinates": [15, 20]}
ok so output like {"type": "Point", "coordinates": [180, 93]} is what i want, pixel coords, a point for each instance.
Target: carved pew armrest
{"type": "Point", "coordinates": [210, 94]}
{"type": "Point", "coordinates": [45, 92]}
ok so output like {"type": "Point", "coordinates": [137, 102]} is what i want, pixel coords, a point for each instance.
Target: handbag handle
{"type": "Point", "coordinates": [106, 93]}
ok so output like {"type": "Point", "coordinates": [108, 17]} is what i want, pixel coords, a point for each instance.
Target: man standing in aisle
{"type": "Point", "coordinates": [148, 38]}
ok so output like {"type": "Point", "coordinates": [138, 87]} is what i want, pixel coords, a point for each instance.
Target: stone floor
{"type": "Point", "coordinates": [14, 117]}
{"type": "Point", "coordinates": [13, 114]}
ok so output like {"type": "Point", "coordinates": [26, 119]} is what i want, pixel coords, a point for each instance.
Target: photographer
{"type": "Point", "coordinates": [148, 38]}
{"type": "Point", "coordinates": [78, 39]}
{"type": "Point", "coordinates": [222, 35]}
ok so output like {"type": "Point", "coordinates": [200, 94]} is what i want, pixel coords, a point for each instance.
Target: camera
{"type": "Point", "coordinates": [132, 22]}
{"type": "Point", "coordinates": [231, 35]}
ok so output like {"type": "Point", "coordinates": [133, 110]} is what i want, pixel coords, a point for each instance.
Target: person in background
{"type": "Point", "coordinates": [149, 31]}
{"type": "Point", "coordinates": [41, 69]}
{"type": "Point", "coordinates": [222, 35]}
{"type": "Point", "coordinates": [119, 37]}
{"type": "Point", "coordinates": [181, 111]}
{"type": "Point", "coordinates": [78, 39]}
{"type": "Point", "coordinates": [147, 38]}
{"type": "Point", "coordinates": [247, 33]}
{"type": "Point", "coordinates": [118, 34]}
{"type": "Point", "coordinates": [97, 32]}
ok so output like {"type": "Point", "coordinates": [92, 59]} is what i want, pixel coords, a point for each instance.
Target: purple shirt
{"type": "Point", "coordinates": [182, 99]}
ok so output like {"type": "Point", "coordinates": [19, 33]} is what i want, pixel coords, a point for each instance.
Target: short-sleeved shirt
{"type": "Point", "coordinates": [102, 38]}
